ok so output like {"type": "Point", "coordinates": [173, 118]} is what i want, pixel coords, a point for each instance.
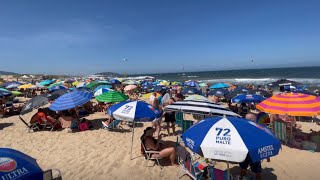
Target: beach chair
{"type": "Point", "coordinates": [179, 118]}
{"type": "Point", "coordinates": [186, 124]}
{"type": "Point", "coordinates": [115, 124]}
{"type": "Point", "coordinates": [280, 131]}
{"type": "Point", "coordinates": [218, 174]}
{"type": "Point", "coordinates": [48, 125]}
{"type": "Point", "coordinates": [188, 165]}
{"type": "Point", "coordinates": [148, 154]}
{"type": "Point", "coordinates": [31, 127]}
{"type": "Point", "coordinates": [48, 175]}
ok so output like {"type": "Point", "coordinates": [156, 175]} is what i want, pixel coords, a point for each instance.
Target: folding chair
{"type": "Point", "coordinates": [149, 154]}
{"type": "Point", "coordinates": [115, 124]}
{"type": "Point", "coordinates": [31, 127]}
{"type": "Point", "coordinates": [188, 164]}
{"type": "Point", "coordinates": [48, 174]}
{"type": "Point", "coordinates": [186, 124]}
{"type": "Point", "coordinates": [48, 125]}
{"type": "Point", "coordinates": [179, 118]}
{"type": "Point", "coordinates": [280, 131]}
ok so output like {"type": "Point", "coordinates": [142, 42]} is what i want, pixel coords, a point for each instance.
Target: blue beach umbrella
{"type": "Point", "coordinates": [219, 86]}
{"type": "Point", "coordinates": [58, 87]}
{"type": "Point", "coordinates": [101, 91]}
{"type": "Point", "coordinates": [4, 92]}
{"type": "Point", "coordinates": [115, 81]}
{"type": "Point", "coordinates": [102, 86]}
{"type": "Point", "coordinates": [17, 165]}
{"type": "Point", "coordinates": [13, 85]}
{"type": "Point", "coordinates": [191, 84]}
{"type": "Point", "coordinates": [158, 88]}
{"type": "Point", "coordinates": [231, 139]}
{"type": "Point", "coordinates": [71, 100]}
{"type": "Point", "coordinates": [147, 83]}
{"type": "Point", "coordinates": [45, 82]}
{"type": "Point", "coordinates": [133, 111]}
{"type": "Point", "coordinates": [218, 92]}
{"type": "Point", "coordinates": [247, 98]}
{"type": "Point", "coordinates": [190, 91]}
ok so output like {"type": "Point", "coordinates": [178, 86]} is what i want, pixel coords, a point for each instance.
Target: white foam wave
{"type": "Point", "coordinates": [192, 76]}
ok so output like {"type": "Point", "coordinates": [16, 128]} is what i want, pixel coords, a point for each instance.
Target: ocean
{"type": "Point", "coordinates": [309, 76]}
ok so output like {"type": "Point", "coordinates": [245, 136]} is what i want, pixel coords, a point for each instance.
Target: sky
{"type": "Point", "coordinates": [78, 37]}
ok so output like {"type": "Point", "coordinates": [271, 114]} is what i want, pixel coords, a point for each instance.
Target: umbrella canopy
{"type": "Point", "coordinates": [203, 84]}
{"type": "Point", "coordinates": [34, 103]}
{"type": "Point", "coordinates": [54, 84]}
{"type": "Point", "coordinates": [231, 139]}
{"type": "Point", "coordinates": [83, 84]}
{"type": "Point", "coordinates": [45, 83]}
{"type": "Point", "coordinates": [17, 165]}
{"type": "Point", "coordinates": [190, 91]}
{"type": "Point", "coordinates": [197, 107]}
{"type": "Point", "coordinates": [59, 87]}
{"type": "Point", "coordinates": [293, 104]}
{"type": "Point", "coordinates": [198, 98]}
{"type": "Point", "coordinates": [26, 86]}
{"type": "Point", "coordinates": [147, 96]}
{"type": "Point", "coordinates": [191, 84]}
{"type": "Point", "coordinates": [133, 111]}
{"type": "Point", "coordinates": [12, 85]}
{"type": "Point", "coordinates": [263, 93]}
{"type": "Point", "coordinates": [158, 88]}
{"type": "Point", "coordinates": [148, 87]}
{"type": "Point", "coordinates": [55, 94]}
{"type": "Point", "coordinates": [101, 91]}
{"type": "Point", "coordinates": [4, 92]}
{"type": "Point", "coordinates": [176, 83]}
{"type": "Point", "coordinates": [76, 83]}
{"type": "Point", "coordinates": [219, 86]}
{"type": "Point", "coordinates": [94, 84]}
{"type": "Point", "coordinates": [247, 98]}
{"type": "Point", "coordinates": [147, 83]}
{"type": "Point", "coordinates": [218, 92]}
{"type": "Point", "coordinates": [16, 93]}
{"type": "Point", "coordinates": [112, 96]}
{"type": "Point", "coordinates": [102, 86]}
{"type": "Point", "coordinates": [237, 91]}
{"type": "Point", "coordinates": [130, 87]}
{"type": "Point", "coordinates": [71, 100]}
{"type": "Point", "coordinates": [115, 81]}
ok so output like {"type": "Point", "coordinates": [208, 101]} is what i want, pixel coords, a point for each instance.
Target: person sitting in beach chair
{"type": "Point", "coordinates": [47, 121]}
{"type": "Point", "coordinates": [152, 144]}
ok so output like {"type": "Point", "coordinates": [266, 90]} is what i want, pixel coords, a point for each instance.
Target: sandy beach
{"type": "Point", "coordinates": [103, 154]}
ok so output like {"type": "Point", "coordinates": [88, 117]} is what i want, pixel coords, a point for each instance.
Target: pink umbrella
{"type": "Point", "coordinates": [130, 87]}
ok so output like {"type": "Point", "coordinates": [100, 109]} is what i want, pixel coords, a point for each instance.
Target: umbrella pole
{"type": "Point", "coordinates": [228, 170]}
{"type": "Point", "coordinates": [132, 139]}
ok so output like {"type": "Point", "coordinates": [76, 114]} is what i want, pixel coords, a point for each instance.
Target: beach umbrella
{"type": "Point", "coordinates": [112, 96]}
{"type": "Point", "coordinates": [156, 83]}
{"type": "Point", "coordinates": [34, 103]}
{"type": "Point", "coordinates": [57, 93]}
{"type": "Point", "coordinates": [94, 84]}
{"type": "Point", "coordinates": [133, 111]}
{"type": "Point", "coordinates": [218, 92]}
{"type": "Point", "coordinates": [263, 93]}
{"type": "Point", "coordinates": [247, 98]}
{"type": "Point", "coordinates": [191, 84]}
{"type": "Point", "coordinates": [283, 82]}
{"type": "Point", "coordinates": [147, 83]}
{"type": "Point", "coordinates": [71, 100]}
{"type": "Point", "coordinates": [158, 88]}
{"type": "Point", "coordinates": [263, 118]}
{"type": "Point", "coordinates": [5, 92]}
{"type": "Point", "coordinates": [130, 87]}
{"type": "Point", "coordinates": [115, 81]}
{"type": "Point", "coordinates": [197, 98]}
{"type": "Point", "coordinates": [83, 84]}
{"type": "Point", "coordinates": [219, 86]}
{"type": "Point", "coordinates": [12, 85]}
{"type": "Point", "coordinates": [45, 83]}
{"type": "Point", "coordinates": [198, 107]}
{"type": "Point", "coordinates": [231, 139]}
{"type": "Point", "coordinates": [101, 91]}
{"type": "Point", "coordinates": [147, 87]}
{"type": "Point", "coordinates": [102, 86]}
{"type": "Point", "coordinates": [17, 165]}
{"type": "Point", "coordinates": [76, 83]}
{"type": "Point", "coordinates": [292, 104]}
{"type": "Point", "coordinates": [83, 89]}
{"type": "Point", "coordinates": [307, 92]}
{"type": "Point", "coordinates": [203, 84]}
{"type": "Point", "coordinates": [26, 86]}
{"type": "Point", "coordinates": [176, 83]}
{"type": "Point", "coordinates": [147, 96]}
{"type": "Point", "coordinates": [16, 93]}
{"type": "Point", "coordinates": [57, 88]}
{"type": "Point", "coordinates": [69, 81]}
{"type": "Point", "coordinates": [190, 91]}
{"type": "Point", "coordinates": [237, 91]}
{"type": "Point", "coordinates": [54, 84]}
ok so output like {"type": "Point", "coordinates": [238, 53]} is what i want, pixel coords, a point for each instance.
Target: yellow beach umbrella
{"type": "Point", "coordinates": [26, 86]}
{"type": "Point", "coordinates": [76, 83]}
{"type": "Point", "coordinates": [147, 96]}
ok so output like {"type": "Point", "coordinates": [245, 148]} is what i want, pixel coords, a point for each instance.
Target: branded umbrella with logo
{"type": "Point", "coordinates": [17, 165]}
{"type": "Point", "coordinates": [218, 92]}
{"type": "Point", "coordinates": [247, 98]}
{"type": "Point", "coordinates": [231, 139]}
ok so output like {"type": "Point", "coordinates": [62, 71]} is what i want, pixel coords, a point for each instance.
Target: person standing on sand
{"type": "Point", "coordinates": [254, 166]}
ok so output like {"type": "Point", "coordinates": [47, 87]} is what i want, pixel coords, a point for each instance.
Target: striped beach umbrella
{"type": "Point", "coordinates": [71, 100]}
{"type": "Point", "coordinates": [112, 96]}
{"type": "Point", "coordinates": [293, 104]}
{"type": "Point", "coordinates": [198, 107]}
{"type": "Point", "coordinates": [101, 91]}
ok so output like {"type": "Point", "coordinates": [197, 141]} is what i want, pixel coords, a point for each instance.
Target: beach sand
{"type": "Point", "coordinates": [102, 154]}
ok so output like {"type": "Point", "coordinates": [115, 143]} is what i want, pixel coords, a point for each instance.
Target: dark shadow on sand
{"type": "Point", "coordinates": [5, 125]}
{"type": "Point", "coordinates": [267, 173]}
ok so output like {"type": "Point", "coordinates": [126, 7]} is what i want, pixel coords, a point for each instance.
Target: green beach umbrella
{"type": "Point", "coordinates": [112, 96]}
{"type": "Point", "coordinates": [55, 84]}
{"type": "Point", "coordinates": [3, 89]}
{"type": "Point", "coordinates": [94, 84]}
{"type": "Point", "coordinates": [16, 93]}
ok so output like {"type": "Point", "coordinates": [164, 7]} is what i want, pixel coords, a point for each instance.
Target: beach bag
{"type": "Point", "coordinates": [83, 126]}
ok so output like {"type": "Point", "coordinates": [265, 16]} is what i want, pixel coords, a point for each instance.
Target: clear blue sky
{"type": "Point", "coordinates": [82, 37]}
